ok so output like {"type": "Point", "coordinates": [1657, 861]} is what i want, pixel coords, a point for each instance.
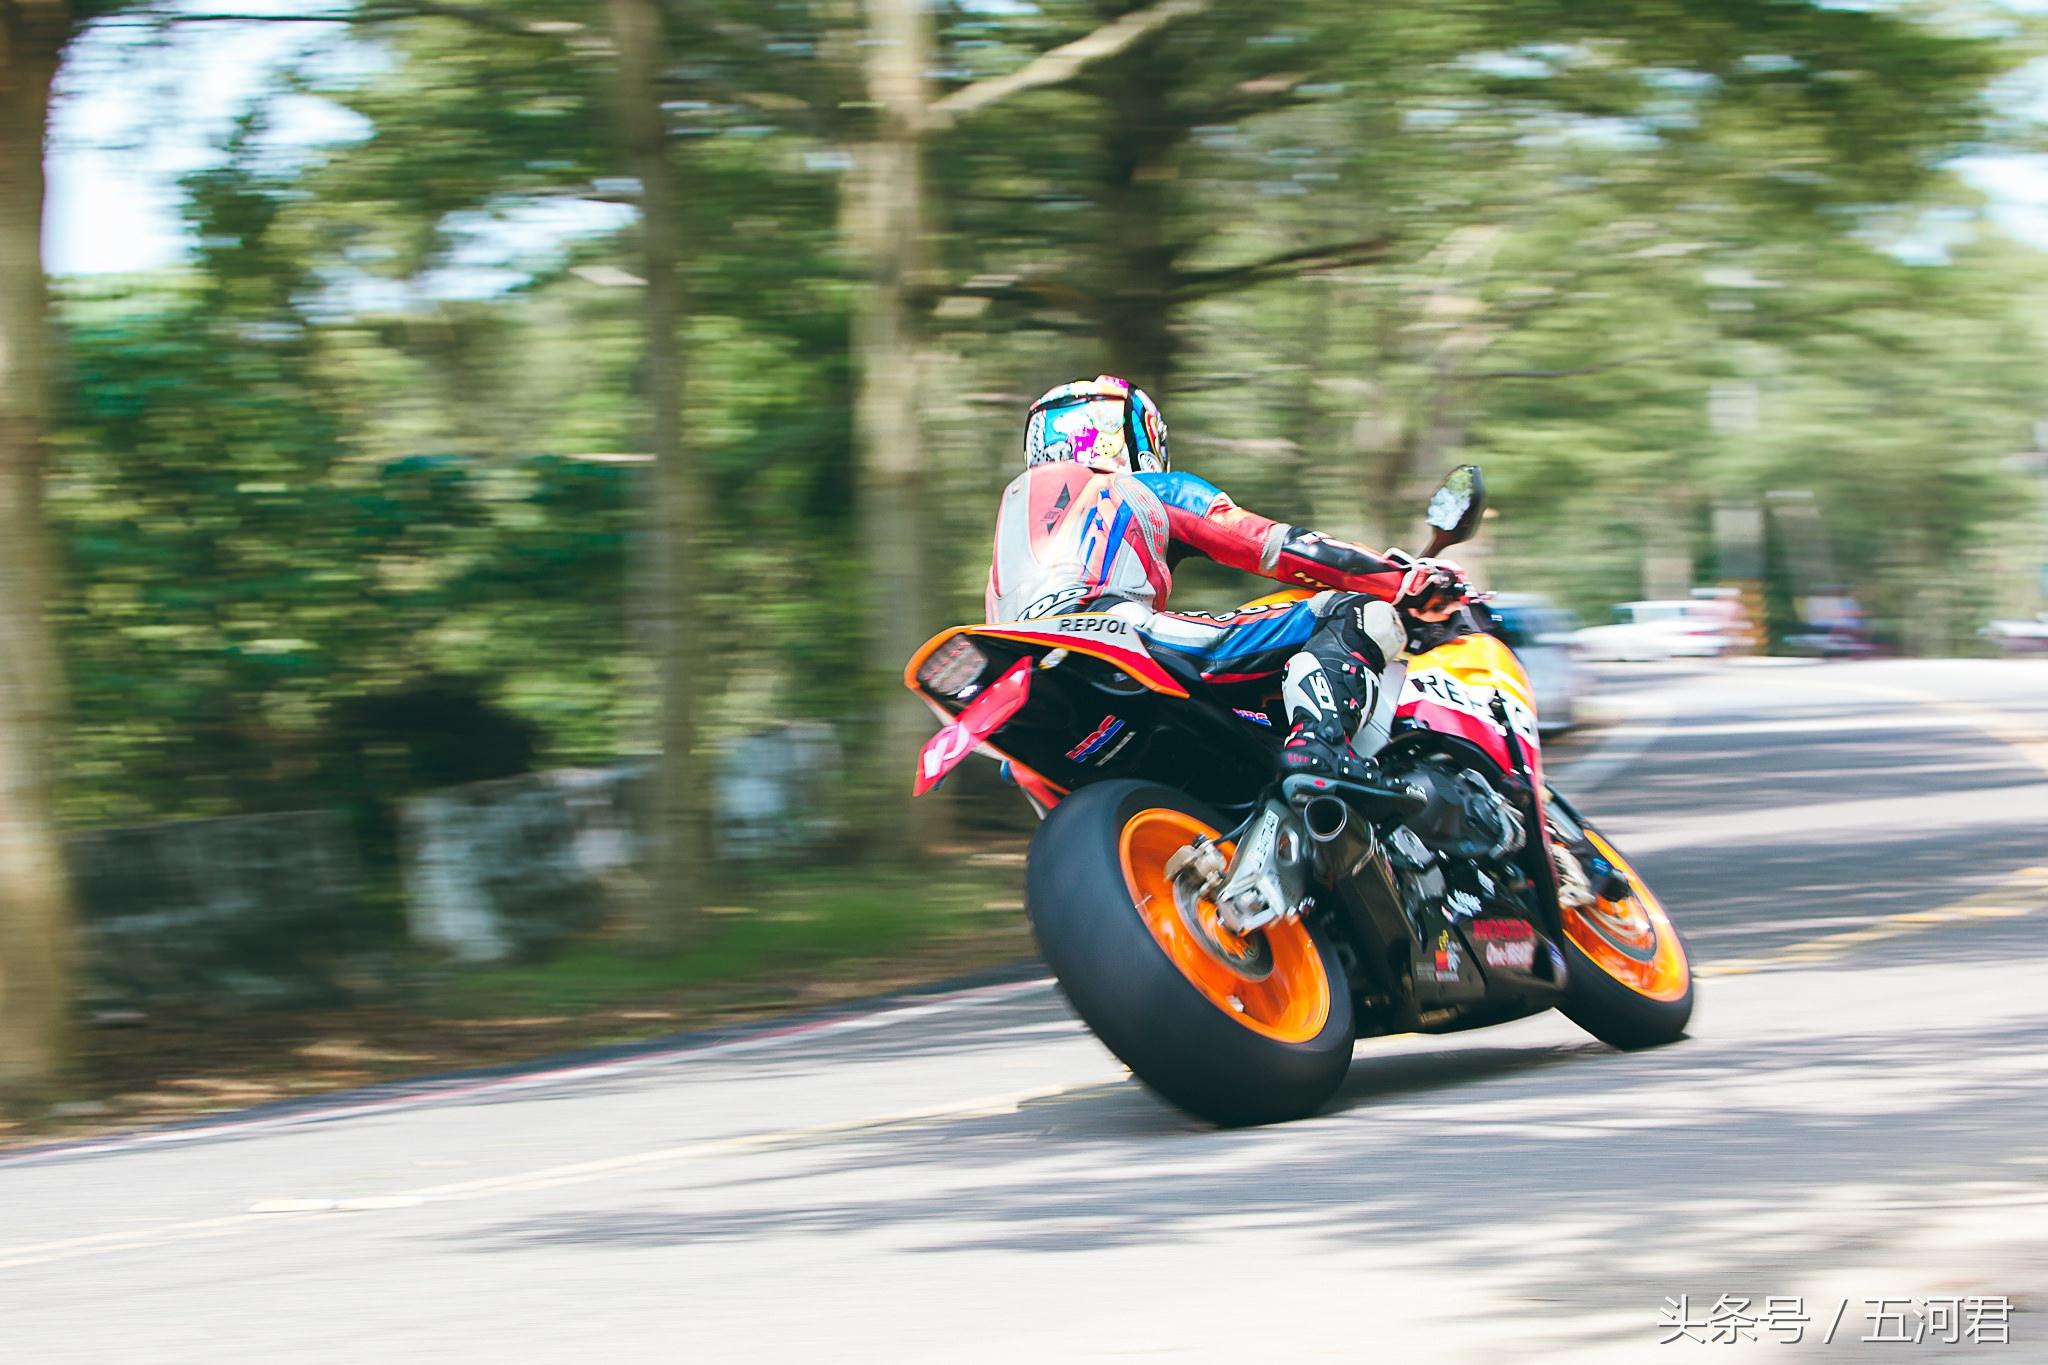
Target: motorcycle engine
{"type": "Point", "coordinates": [1466, 816]}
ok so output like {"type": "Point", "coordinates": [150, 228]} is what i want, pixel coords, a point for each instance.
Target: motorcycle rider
{"type": "Point", "coordinates": [1098, 517]}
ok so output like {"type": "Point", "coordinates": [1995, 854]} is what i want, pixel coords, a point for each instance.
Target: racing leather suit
{"type": "Point", "coordinates": [1069, 538]}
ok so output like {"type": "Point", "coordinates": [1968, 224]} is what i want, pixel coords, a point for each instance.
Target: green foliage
{"type": "Point", "coordinates": [379, 436]}
{"type": "Point", "coordinates": [800, 924]}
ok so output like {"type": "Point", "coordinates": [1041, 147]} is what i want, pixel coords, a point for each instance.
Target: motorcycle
{"type": "Point", "coordinates": [1229, 937]}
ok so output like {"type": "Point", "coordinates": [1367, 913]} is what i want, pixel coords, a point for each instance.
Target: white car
{"type": "Point", "coordinates": [1678, 628]}
{"type": "Point", "coordinates": [1540, 632]}
{"type": "Point", "coordinates": [2019, 637]}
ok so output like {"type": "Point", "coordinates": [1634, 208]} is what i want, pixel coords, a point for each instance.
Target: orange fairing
{"type": "Point", "coordinates": [1479, 661]}
{"type": "Point", "coordinates": [1272, 983]}
{"type": "Point", "coordinates": [1631, 940]}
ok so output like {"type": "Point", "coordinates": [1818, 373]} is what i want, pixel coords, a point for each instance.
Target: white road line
{"type": "Point", "coordinates": [429, 1093]}
{"type": "Point", "coordinates": [520, 1182]}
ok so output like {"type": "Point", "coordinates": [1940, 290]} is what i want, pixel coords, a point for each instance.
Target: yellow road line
{"type": "Point", "coordinates": [1996, 903]}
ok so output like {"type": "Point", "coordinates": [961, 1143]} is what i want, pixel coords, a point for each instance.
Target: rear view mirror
{"type": "Point", "coordinates": [1455, 509]}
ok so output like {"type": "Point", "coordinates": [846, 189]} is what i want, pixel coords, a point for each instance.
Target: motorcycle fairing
{"type": "Point", "coordinates": [1096, 634]}
{"type": "Point", "coordinates": [1080, 686]}
{"type": "Point", "coordinates": [1450, 690]}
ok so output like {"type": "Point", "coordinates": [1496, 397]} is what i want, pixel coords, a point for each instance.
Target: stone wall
{"type": "Point", "coordinates": [260, 906]}
{"type": "Point", "coordinates": [500, 869]}
{"type": "Point", "coordinates": [192, 909]}
{"type": "Point", "coordinates": [494, 869]}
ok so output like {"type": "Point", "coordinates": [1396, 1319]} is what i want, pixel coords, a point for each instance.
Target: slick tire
{"type": "Point", "coordinates": [1179, 1038]}
{"type": "Point", "coordinates": [1616, 1015]}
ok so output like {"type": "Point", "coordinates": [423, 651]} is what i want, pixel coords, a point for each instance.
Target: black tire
{"type": "Point", "coordinates": [1138, 1002]}
{"type": "Point", "coordinates": [1616, 1015]}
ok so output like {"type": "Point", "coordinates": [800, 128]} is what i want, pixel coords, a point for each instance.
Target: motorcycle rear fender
{"type": "Point", "coordinates": [982, 717]}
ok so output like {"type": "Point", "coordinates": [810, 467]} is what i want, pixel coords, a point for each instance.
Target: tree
{"type": "Point", "coordinates": [877, 57]}
{"type": "Point", "coordinates": [884, 229]}
{"type": "Point", "coordinates": [674, 602]}
{"type": "Point", "coordinates": [888, 221]}
{"type": "Point", "coordinates": [35, 903]}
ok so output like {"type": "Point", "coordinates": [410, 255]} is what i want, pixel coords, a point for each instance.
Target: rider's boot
{"type": "Point", "coordinates": [1321, 747]}
{"type": "Point", "coordinates": [1331, 685]}
{"type": "Point", "coordinates": [1320, 723]}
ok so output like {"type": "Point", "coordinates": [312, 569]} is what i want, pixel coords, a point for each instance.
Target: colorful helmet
{"type": "Point", "coordinates": [1102, 422]}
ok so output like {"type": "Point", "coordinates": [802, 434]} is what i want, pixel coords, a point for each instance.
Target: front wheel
{"type": "Point", "coordinates": [1630, 979]}
{"type": "Point", "coordinates": [1236, 1030]}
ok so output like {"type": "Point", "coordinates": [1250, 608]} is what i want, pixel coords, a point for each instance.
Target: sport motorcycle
{"type": "Point", "coordinates": [1229, 936]}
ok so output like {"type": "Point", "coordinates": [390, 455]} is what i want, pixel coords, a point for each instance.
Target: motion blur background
{"type": "Point", "coordinates": [433, 394]}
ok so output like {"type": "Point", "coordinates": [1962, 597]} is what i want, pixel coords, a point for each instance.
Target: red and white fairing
{"type": "Point", "coordinates": [1450, 696]}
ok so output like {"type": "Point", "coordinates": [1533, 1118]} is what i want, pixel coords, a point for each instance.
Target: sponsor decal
{"type": "Point", "coordinates": [1239, 613]}
{"type": "Point", "coordinates": [1464, 903]}
{"type": "Point", "coordinates": [1113, 750]}
{"type": "Point", "coordinates": [1440, 687]}
{"type": "Point", "coordinates": [1255, 717]}
{"type": "Point", "coordinates": [1053, 602]}
{"type": "Point", "coordinates": [1519, 956]}
{"type": "Point", "coordinates": [1446, 964]}
{"type": "Point", "coordinates": [946, 748]}
{"type": "Point", "coordinates": [1092, 625]}
{"type": "Point", "coordinates": [1503, 930]}
{"type": "Point", "coordinates": [1103, 734]}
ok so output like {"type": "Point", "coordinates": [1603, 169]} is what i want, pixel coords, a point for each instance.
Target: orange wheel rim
{"type": "Point", "coordinates": [1272, 981]}
{"type": "Point", "coordinates": [1631, 939]}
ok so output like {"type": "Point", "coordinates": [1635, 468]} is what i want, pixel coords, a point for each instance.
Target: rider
{"type": "Point", "coordinates": [1099, 515]}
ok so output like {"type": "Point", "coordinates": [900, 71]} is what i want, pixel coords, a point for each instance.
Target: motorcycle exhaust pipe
{"type": "Point", "coordinates": [1325, 818]}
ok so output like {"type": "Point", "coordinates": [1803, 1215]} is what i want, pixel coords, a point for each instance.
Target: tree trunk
{"type": "Point", "coordinates": [35, 904]}
{"type": "Point", "coordinates": [1138, 259]}
{"type": "Point", "coordinates": [884, 230]}
{"type": "Point", "coordinates": [673, 609]}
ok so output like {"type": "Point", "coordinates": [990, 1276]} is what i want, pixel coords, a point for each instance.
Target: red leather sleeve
{"type": "Point", "coordinates": [1226, 533]}
{"type": "Point", "coordinates": [1319, 561]}
{"type": "Point", "coordinates": [1242, 539]}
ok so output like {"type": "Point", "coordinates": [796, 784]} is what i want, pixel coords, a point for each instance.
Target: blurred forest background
{"type": "Point", "coordinates": [635, 375]}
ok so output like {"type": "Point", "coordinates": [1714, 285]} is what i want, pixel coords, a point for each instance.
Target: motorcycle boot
{"type": "Point", "coordinates": [1332, 684]}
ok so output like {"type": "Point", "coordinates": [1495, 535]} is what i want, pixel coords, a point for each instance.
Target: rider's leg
{"type": "Point", "coordinates": [1332, 684]}
{"type": "Point", "coordinates": [1329, 649]}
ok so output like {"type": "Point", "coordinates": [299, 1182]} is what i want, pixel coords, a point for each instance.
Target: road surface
{"type": "Point", "coordinates": [1857, 852]}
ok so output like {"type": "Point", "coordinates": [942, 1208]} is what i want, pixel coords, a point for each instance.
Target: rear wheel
{"type": "Point", "coordinates": [1630, 982]}
{"type": "Point", "coordinates": [1233, 1029]}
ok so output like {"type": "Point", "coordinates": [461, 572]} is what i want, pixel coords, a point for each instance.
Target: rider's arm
{"type": "Point", "coordinates": [1202, 517]}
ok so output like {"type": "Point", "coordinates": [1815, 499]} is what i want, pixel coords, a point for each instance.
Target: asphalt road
{"type": "Point", "coordinates": [1856, 850]}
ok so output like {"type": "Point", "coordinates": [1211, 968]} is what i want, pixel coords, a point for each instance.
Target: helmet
{"type": "Point", "coordinates": [1102, 422]}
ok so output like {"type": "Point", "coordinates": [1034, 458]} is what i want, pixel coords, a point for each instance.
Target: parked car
{"type": "Point", "coordinates": [1540, 633]}
{"type": "Point", "coordinates": [1835, 627]}
{"type": "Point", "coordinates": [1675, 628]}
{"type": "Point", "coordinates": [2019, 637]}
{"type": "Point", "coordinates": [1833, 641]}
